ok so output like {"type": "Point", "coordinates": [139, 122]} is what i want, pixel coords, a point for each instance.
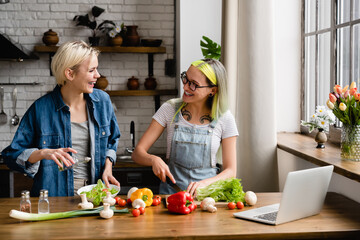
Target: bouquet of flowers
{"type": "Point", "coordinates": [116, 30]}
{"type": "Point", "coordinates": [344, 102]}
{"type": "Point", "coordinates": [321, 119]}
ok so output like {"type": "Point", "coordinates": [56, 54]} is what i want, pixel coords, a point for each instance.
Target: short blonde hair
{"type": "Point", "coordinates": [70, 55]}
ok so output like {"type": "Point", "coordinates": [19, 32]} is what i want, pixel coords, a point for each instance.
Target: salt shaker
{"type": "Point", "coordinates": [77, 162]}
{"type": "Point", "coordinates": [43, 206]}
{"type": "Point", "coordinates": [25, 203]}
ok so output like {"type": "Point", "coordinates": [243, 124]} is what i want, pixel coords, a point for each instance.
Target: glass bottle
{"type": "Point", "coordinates": [77, 162]}
{"type": "Point", "coordinates": [25, 203]}
{"type": "Point", "coordinates": [43, 206]}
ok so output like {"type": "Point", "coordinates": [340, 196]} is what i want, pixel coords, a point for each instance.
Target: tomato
{"type": "Point", "coordinates": [121, 202]}
{"type": "Point", "coordinates": [128, 201]}
{"type": "Point", "coordinates": [117, 199]}
{"type": "Point", "coordinates": [156, 202]}
{"type": "Point", "coordinates": [142, 210]}
{"type": "Point", "coordinates": [231, 205]}
{"type": "Point", "coordinates": [240, 205]}
{"type": "Point", "coordinates": [157, 197]}
{"type": "Point", "coordinates": [136, 212]}
{"type": "Point", "coordinates": [105, 190]}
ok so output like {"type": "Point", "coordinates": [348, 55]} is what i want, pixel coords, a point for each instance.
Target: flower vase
{"type": "Point", "coordinates": [116, 41]}
{"type": "Point", "coordinates": [350, 142]}
{"type": "Point", "coordinates": [321, 138]}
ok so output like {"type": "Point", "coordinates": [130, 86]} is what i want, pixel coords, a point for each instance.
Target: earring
{"type": "Point", "coordinates": [211, 95]}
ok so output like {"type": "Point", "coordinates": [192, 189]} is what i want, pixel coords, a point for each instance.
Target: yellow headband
{"type": "Point", "coordinates": [206, 69]}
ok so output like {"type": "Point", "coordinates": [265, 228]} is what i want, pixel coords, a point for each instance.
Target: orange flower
{"type": "Point", "coordinates": [357, 96]}
{"type": "Point", "coordinates": [352, 85]}
{"type": "Point", "coordinates": [345, 88]}
{"type": "Point", "coordinates": [337, 89]}
{"type": "Point", "coordinates": [353, 91]}
{"type": "Point", "coordinates": [332, 98]}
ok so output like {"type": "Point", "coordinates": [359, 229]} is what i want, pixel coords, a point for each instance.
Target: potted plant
{"type": "Point", "coordinates": [116, 35]}
{"type": "Point", "coordinates": [89, 20]}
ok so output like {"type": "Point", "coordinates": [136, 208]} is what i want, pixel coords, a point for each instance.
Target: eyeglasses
{"type": "Point", "coordinates": [193, 86]}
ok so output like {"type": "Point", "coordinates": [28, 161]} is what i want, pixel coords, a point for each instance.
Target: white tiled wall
{"type": "Point", "coordinates": [25, 21]}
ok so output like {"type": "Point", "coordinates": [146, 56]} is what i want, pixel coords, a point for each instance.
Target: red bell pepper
{"type": "Point", "coordinates": [181, 202]}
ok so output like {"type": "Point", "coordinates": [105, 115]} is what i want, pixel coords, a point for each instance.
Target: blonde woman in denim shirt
{"type": "Point", "coordinates": [73, 119]}
{"type": "Point", "coordinates": [198, 124]}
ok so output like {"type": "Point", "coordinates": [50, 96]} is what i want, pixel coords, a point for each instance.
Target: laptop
{"type": "Point", "coordinates": [303, 196]}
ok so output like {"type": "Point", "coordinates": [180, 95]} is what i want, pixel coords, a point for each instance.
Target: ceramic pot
{"type": "Point", "coordinates": [116, 41]}
{"type": "Point", "coordinates": [94, 41]}
{"type": "Point", "coordinates": [132, 36]}
{"type": "Point", "coordinates": [321, 138]}
{"type": "Point", "coordinates": [350, 142]}
{"type": "Point", "coordinates": [101, 83]}
{"type": "Point", "coordinates": [133, 83]}
{"type": "Point", "coordinates": [50, 38]}
{"type": "Point", "coordinates": [150, 83]}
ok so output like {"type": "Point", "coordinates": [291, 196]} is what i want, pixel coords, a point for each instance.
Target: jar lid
{"type": "Point", "coordinates": [50, 32]}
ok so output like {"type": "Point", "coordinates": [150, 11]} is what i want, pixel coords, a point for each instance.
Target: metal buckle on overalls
{"type": "Point", "coordinates": [210, 130]}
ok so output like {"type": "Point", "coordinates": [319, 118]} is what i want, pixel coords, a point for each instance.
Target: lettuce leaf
{"type": "Point", "coordinates": [228, 190]}
{"type": "Point", "coordinates": [97, 194]}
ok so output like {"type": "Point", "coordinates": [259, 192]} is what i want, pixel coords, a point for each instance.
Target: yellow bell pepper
{"type": "Point", "coordinates": [144, 194]}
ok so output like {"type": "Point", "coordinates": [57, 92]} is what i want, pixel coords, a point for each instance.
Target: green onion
{"type": "Point", "coordinates": [51, 216]}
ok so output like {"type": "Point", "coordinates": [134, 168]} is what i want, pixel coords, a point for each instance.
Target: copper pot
{"type": "Point", "coordinates": [50, 38]}
{"type": "Point", "coordinates": [150, 83]}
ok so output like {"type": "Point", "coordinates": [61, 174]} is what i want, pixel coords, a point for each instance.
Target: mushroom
{"type": "Point", "coordinates": [107, 212]}
{"type": "Point", "coordinates": [84, 202]}
{"type": "Point", "coordinates": [138, 203]}
{"type": "Point", "coordinates": [250, 198]}
{"type": "Point", "coordinates": [208, 204]}
{"type": "Point", "coordinates": [109, 199]}
{"type": "Point", "coordinates": [133, 189]}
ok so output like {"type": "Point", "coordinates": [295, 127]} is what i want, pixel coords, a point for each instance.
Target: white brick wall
{"type": "Point", "coordinates": [25, 21]}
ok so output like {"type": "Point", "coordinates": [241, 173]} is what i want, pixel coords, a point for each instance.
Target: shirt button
{"type": "Point", "coordinates": [210, 130]}
{"type": "Point", "coordinates": [103, 133]}
{"type": "Point", "coordinates": [44, 142]}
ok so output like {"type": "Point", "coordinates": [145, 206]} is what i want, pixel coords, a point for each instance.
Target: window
{"type": "Point", "coordinates": [331, 49]}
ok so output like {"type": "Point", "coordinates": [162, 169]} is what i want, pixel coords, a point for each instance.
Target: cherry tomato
{"type": "Point", "coordinates": [136, 212]}
{"type": "Point", "coordinates": [240, 205]}
{"type": "Point", "coordinates": [105, 190]}
{"type": "Point", "coordinates": [117, 199]}
{"type": "Point", "coordinates": [121, 202]}
{"type": "Point", "coordinates": [128, 201]}
{"type": "Point", "coordinates": [142, 210]}
{"type": "Point", "coordinates": [156, 202]}
{"type": "Point", "coordinates": [231, 205]}
{"type": "Point", "coordinates": [157, 197]}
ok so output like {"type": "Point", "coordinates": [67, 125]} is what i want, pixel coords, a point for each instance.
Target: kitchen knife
{"type": "Point", "coordinates": [173, 185]}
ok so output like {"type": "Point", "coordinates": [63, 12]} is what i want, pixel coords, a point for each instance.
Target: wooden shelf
{"type": "Point", "coordinates": [143, 92]}
{"type": "Point", "coordinates": [107, 49]}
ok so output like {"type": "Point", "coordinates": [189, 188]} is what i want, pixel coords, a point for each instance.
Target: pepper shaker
{"type": "Point", "coordinates": [25, 203]}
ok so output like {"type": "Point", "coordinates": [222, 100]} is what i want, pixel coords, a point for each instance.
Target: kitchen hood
{"type": "Point", "coordinates": [10, 50]}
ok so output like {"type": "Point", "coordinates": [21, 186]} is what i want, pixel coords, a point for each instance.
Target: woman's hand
{"type": "Point", "coordinates": [161, 169]}
{"type": "Point", "coordinates": [108, 176]}
{"type": "Point", "coordinates": [193, 186]}
{"type": "Point", "coordinates": [61, 154]}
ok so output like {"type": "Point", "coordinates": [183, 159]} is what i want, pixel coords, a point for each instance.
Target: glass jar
{"type": "Point", "coordinates": [43, 206]}
{"type": "Point", "coordinates": [25, 203]}
{"type": "Point", "coordinates": [350, 142]}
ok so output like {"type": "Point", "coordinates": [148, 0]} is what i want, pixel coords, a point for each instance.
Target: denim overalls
{"type": "Point", "coordinates": [190, 155]}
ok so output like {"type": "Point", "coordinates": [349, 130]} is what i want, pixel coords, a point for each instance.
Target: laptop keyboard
{"type": "Point", "coordinates": [271, 216]}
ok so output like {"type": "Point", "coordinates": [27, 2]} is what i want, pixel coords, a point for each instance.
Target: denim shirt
{"type": "Point", "coordinates": [46, 124]}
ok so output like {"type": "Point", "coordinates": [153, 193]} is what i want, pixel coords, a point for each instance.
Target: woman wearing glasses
{"type": "Point", "coordinates": [198, 124]}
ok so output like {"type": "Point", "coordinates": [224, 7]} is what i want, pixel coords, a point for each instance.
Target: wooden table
{"type": "Point", "coordinates": [339, 218]}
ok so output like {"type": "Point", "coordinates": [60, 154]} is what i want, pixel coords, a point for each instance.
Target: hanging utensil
{"type": "Point", "coordinates": [3, 116]}
{"type": "Point", "coordinates": [15, 118]}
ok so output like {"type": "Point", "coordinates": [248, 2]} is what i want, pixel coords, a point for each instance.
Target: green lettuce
{"type": "Point", "coordinates": [228, 190]}
{"type": "Point", "coordinates": [97, 194]}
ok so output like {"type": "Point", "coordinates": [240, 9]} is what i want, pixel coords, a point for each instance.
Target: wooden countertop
{"type": "Point", "coordinates": [305, 147]}
{"type": "Point", "coordinates": [339, 218]}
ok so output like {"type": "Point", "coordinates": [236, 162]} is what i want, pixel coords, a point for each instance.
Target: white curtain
{"type": "Point", "coordinates": [248, 55]}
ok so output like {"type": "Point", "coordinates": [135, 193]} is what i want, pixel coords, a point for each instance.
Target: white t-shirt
{"type": "Point", "coordinates": [224, 128]}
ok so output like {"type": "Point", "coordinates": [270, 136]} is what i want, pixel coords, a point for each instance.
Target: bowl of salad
{"type": "Point", "coordinates": [96, 192]}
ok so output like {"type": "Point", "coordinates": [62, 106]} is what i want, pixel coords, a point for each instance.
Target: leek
{"type": "Point", "coordinates": [51, 216]}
